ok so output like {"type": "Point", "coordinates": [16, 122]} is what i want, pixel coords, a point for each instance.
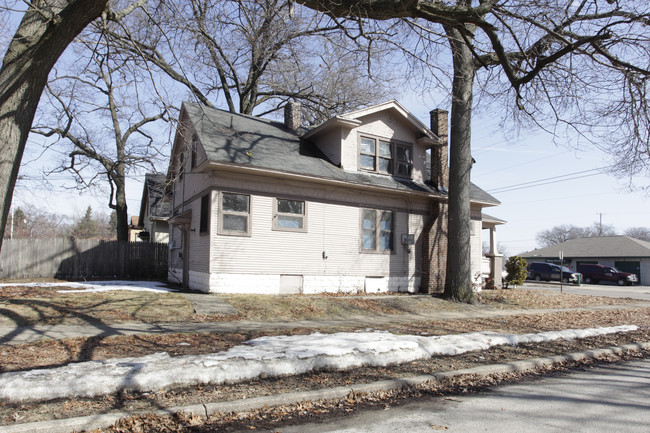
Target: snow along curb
{"type": "Point", "coordinates": [106, 420]}
{"type": "Point", "coordinates": [269, 356]}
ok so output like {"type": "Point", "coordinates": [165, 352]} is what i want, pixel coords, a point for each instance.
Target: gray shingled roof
{"type": "Point", "coordinates": [263, 143]}
{"type": "Point", "coordinates": [475, 192]}
{"type": "Point", "coordinates": [605, 246]}
{"type": "Point", "coordinates": [159, 204]}
{"type": "Point", "coordinates": [491, 219]}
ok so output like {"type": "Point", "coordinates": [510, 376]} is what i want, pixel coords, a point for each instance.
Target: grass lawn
{"type": "Point", "coordinates": [23, 306]}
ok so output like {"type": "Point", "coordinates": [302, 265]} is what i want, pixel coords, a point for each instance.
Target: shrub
{"type": "Point", "coordinates": [516, 268]}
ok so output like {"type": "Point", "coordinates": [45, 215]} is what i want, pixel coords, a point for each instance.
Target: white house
{"type": "Point", "coordinates": [260, 206]}
{"type": "Point", "coordinates": [155, 209]}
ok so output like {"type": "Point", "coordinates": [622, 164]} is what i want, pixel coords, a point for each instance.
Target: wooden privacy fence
{"type": "Point", "coordinates": [82, 259]}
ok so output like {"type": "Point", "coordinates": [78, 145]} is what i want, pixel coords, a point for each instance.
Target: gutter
{"type": "Point", "coordinates": [214, 165]}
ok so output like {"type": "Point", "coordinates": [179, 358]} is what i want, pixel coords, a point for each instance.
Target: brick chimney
{"type": "Point", "coordinates": [440, 152]}
{"type": "Point", "coordinates": [292, 115]}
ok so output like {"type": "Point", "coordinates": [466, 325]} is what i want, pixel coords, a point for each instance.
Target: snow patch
{"type": "Point", "coordinates": [100, 286]}
{"type": "Point", "coordinates": [261, 357]}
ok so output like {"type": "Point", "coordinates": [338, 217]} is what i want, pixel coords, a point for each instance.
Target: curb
{"type": "Point", "coordinates": [106, 420]}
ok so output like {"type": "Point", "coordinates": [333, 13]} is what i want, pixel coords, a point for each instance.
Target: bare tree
{"type": "Point", "coordinates": [46, 29]}
{"type": "Point", "coordinates": [105, 113]}
{"type": "Point", "coordinates": [252, 56]}
{"type": "Point", "coordinates": [31, 222]}
{"type": "Point", "coordinates": [641, 233]}
{"type": "Point", "coordinates": [557, 235]}
{"type": "Point", "coordinates": [565, 232]}
{"type": "Point", "coordinates": [554, 60]}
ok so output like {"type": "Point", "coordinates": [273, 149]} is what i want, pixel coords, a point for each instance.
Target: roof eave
{"type": "Point", "coordinates": [399, 108]}
{"type": "Point", "coordinates": [331, 123]}
{"type": "Point", "coordinates": [225, 166]}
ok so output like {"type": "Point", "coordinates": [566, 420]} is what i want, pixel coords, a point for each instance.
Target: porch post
{"type": "Point", "coordinates": [496, 259]}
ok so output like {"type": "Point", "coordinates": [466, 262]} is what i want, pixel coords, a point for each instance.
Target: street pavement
{"type": "Point", "coordinates": [612, 398]}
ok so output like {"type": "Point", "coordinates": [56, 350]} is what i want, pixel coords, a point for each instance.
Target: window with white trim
{"type": "Point", "coordinates": [376, 230]}
{"type": "Point", "coordinates": [235, 214]}
{"type": "Point", "coordinates": [384, 156]}
{"type": "Point", "coordinates": [290, 215]}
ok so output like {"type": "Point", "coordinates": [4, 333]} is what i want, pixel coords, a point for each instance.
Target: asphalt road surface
{"type": "Point", "coordinates": [602, 289]}
{"type": "Point", "coordinates": [614, 398]}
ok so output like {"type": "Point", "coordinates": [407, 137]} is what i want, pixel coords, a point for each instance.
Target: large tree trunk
{"type": "Point", "coordinates": [458, 284]}
{"type": "Point", "coordinates": [34, 50]}
{"type": "Point", "coordinates": [120, 206]}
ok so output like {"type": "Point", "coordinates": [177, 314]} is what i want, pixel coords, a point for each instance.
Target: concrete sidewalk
{"type": "Point", "coordinates": [29, 334]}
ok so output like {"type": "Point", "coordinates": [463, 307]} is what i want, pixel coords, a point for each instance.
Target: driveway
{"type": "Point", "coordinates": [603, 289]}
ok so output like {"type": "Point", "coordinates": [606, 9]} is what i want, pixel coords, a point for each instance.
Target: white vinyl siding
{"type": "Point", "coordinates": [199, 245]}
{"type": "Point", "coordinates": [476, 247]}
{"type": "Point", "coordinates": [334, 232]}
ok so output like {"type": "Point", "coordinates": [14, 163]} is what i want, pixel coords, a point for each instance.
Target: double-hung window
{"type": "Point", "coordinates": [384, 156]}
{"type": "Point", "coordinates": [376, 230]}
{"type": "Point", "coordinates": [290, 215]}
{"type": "Point", "coordinates": [403, 160]}
{"type": "Point", "coordinates": [235, 214]}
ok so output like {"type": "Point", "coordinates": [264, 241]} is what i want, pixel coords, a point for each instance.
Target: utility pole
{"type": "Point", "coordinates": [600, 226]}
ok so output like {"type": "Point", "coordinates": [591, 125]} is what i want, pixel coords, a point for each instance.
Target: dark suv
{"type": "Point", "coordinates": [548, 271]}
{"type": "Point", "coordinates": [594, 274]}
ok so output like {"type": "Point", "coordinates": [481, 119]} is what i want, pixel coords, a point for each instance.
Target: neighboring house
{"type": "Point", "coordinates": [268, 207]}
{"type": "Point", "coordinates": [155, 209]}
{"type": "Point", "coordinates": [134, 230]}
{"type": "Point", "coordinates": [623, 252]}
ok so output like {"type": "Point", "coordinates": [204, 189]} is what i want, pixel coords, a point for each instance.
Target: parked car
{"type": "Point", "coordinates": [540, 271]}
{"type": "Point", "coordinates": [594, 274]}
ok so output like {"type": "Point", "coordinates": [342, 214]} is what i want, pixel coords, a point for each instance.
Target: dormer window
{"type": "Point", "coordinates": [385, 156]}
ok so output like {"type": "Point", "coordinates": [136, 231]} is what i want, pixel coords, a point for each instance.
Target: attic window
{"type": "Point", "coordinates": [387, 157]}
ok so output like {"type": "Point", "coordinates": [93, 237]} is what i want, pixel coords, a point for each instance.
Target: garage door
{"type": "Point", "coordinates": [631, 267]}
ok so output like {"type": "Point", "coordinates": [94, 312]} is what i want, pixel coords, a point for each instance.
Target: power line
{"type": "Point", "coordinates": [491, 171]}
{"type": "Point", "coordinates": [549, 180]}
{"type": "Point", "coordinates": [496, 143]}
